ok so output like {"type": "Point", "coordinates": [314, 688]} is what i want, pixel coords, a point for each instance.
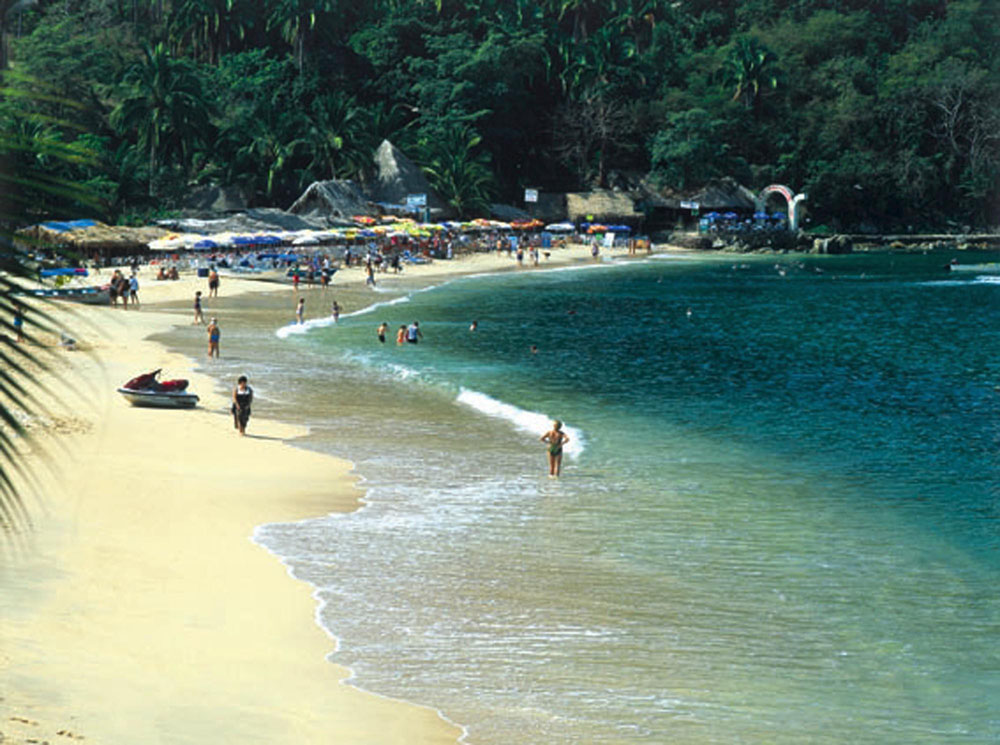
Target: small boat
{"type": "Point", "coordinates": [160, 399]}
{"type": "Point", "coordinates": [89, 295]}
{"type": "Point", "coordinates": [146, 390]}
{"type": "Point", "coordinates": [990, 268]}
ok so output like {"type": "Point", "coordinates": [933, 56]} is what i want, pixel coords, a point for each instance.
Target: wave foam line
{"type": "Point", "coordinates": [530, 422]}
{"type": "Point", "coordinates": [321, 323]}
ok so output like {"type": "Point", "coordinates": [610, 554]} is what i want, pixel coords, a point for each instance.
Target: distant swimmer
{"type": "Point", "coordinates": [382, 329]}
{"type": "Point", "coordinates": [533, 349]}
{"type": "Point", "coordinates": [555, 438]}
{"type": "Point", "coordinates": [689, 313]}
{"type": "Point", "coordinates": [335, 311]}
{"type": "Point", "coordinates": [413, 333]}
{"type": "Point", "coordinates": [474, 326]}
{"type": "Point", "coordinates": [300, 311]}
{"type": "Point", "coordinates": [401, 335]}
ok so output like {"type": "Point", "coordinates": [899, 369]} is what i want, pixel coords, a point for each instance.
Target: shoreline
{"type": "Point", "coordinates": [114, 630]}
{"type": "Point", "coordinates": [66, 635]}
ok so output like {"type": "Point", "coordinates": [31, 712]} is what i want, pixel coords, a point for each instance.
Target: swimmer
{"type": "Point", "coordinates": [335, 311]}
{"type": "Point", "coordinates": [474, 326]}
{"type": "Point", "coordinates": [401, 335]}
{"type": "Point", "coordinates": [382, 329]}
{"type": "Point", "coordinates": [555, 438]}
{"type": "Point", "coordinates": [534, 349]}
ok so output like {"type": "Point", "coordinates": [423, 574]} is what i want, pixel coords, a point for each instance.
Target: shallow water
{"type": "Point", "coordinates": [778, 521]}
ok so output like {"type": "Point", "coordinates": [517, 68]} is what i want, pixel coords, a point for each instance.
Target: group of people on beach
{"type": "Point", "coordinates": [126, 288]}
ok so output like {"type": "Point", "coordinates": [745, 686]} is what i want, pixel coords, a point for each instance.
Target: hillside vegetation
{"type": "Point", "coordinates": [885, 112]}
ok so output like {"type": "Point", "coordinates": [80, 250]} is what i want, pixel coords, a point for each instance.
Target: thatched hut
{"type": "Point", "coordinates": [88, 237]}
{"type": "Point", "coordinates": [339, 200]}
{"type": "Point", "coordinates": [602, 205]}
{"type": "Point", "coordinates": [396, 177]}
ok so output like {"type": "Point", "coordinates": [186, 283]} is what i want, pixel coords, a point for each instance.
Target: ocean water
{"type": "Point", "coordinates": [778, 522]}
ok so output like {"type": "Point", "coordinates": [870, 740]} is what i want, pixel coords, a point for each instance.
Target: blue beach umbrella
{"type": "Point", "coordinates": [759, 215]}
{"type": "Point", "coordinates": [730, 216]}
{"type": "Point", "coordinates": [712, 216]}
{"type": "Point", "coordinates": [205, 244]}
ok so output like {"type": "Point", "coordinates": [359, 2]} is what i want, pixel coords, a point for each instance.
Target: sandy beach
{"type": "Point", "coordinates": [137, 609]}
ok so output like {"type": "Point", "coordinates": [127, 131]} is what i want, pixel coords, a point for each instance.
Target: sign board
{"type": "Point", "coordinates": [531, 195]}
{"type": "Point", "coordinates": [416, 201]}
{"type": "Point", "coordinates": [609, 239]}
{"type": "Point", "coordinates": [689, 205]}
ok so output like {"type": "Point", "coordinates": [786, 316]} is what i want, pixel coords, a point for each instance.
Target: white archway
{"type": "Point", "coordinates": [792, 200]}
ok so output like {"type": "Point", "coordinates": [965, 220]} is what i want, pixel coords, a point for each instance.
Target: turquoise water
{"type": "Point", "coordinates": [778, 521]}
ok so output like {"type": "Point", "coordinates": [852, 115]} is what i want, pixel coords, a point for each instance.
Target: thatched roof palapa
{"type": "Point", "coordinates": [396, 176]}
{"type": "Point", "coordinates": [333, 199]}
{"type": "Point", "coordinates": [602, 204]}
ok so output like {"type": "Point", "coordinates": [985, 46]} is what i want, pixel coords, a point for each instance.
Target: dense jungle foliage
{"type": "Point", "coordinates": [885, 112]}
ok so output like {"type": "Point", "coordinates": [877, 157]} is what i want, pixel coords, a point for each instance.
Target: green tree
{"type": "Point", "coordinates": [457, 169]}
{"type": "Point", "coordinates": [751, 70]}
{"type": "Point", "coordinates": [164, 107]}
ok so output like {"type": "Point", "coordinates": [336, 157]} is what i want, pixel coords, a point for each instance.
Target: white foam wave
{"type": "Point", "coordinates": [375, 306]}
{"type": "Point", "coordinates": [301, 328]}
{"type": "Point", "coordinates": [987, 280]}
{"type": "Point", "coordinates": [530, 422]}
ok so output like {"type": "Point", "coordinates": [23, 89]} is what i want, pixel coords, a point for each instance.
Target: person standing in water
{"type": "Point", "coordinates": [401, 335]}
{"type": "Point", "coordinates": [199, 317]}
{"type": "Point", "coordinates": [213, 338]}
{"type": "Point", "coordinates": [555, 438]}
{"type": "Point", "coordinates": [335, 311]}
{"type": "Point", "coordinates": [300, 311]}
{"type": "Point", "coordinates": [382, 329]}
{"type": "Point", "coordinates": [413, 334]}
{"type": "Point", "coordinates": [242, 399]}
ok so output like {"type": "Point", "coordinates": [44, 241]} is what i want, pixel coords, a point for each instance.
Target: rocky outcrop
{"type": "Point", "coordinates": [837, 244]}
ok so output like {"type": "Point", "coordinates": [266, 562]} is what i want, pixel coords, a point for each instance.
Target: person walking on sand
{"type": "Point", "coordinates": [133, 289]}
{"type": "Point", "coordinates": [382, 330]}
{"type": "Point", "coordinates": [199, 317]}
{"type": "Point", "coordinates": [300, 311]}
{"type": "Point", "coordinates": [213, 283]}
{"type": "Point", "coordinates": [413, 334]}
{"type": "Point", "coordinates": [401, 335]}
{"type": "Point", "coordinates": [242, 399]}
{"type": "Point", "coordinates": [213, 338]}
{"type": "Point", "coordinates": [555, 438]}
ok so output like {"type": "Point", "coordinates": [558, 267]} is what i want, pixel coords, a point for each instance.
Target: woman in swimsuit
{"type": "Point", "coordinates": [555, 438]}
{"type": "Point", "coordinates": [213, 338]}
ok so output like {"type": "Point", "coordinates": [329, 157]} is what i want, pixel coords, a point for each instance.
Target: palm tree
{"type": "Point", "coordinates": [456, 171]}
{"type": "Point", "coordinates": [164, 106]}
{"type": "Point", "coordinates": [296, 19]}
{"type": "Point", "coordinates": [751, 69]}
{"type": "Point", "coordinates": [336, 137]}
{"type": "Point", "coordinates": [31, 154]}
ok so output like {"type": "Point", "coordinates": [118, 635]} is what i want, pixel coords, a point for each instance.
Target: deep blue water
{"type": "Point", "coordinates": [779, 523]}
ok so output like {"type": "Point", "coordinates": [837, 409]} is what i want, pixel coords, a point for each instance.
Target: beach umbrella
{"type": "Point", "coordinates": [778, 216]}
{"type": "Point", "coordinates": [205, 244]}
{"type": "Point", "coordinates": [561, 227]}
{"type": "Point", "coordinates": [305, 240]}
{"type": "Point", "coordinates": [759, 215]}
{"type": "Point", "coordinates": [730, 216]}
{"type": "Point", "coordinates": [367, 233]}
{"type": "Point", "coordinates": [243, 240]}
{"type": "Point", "coordinates": [712, 216]}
